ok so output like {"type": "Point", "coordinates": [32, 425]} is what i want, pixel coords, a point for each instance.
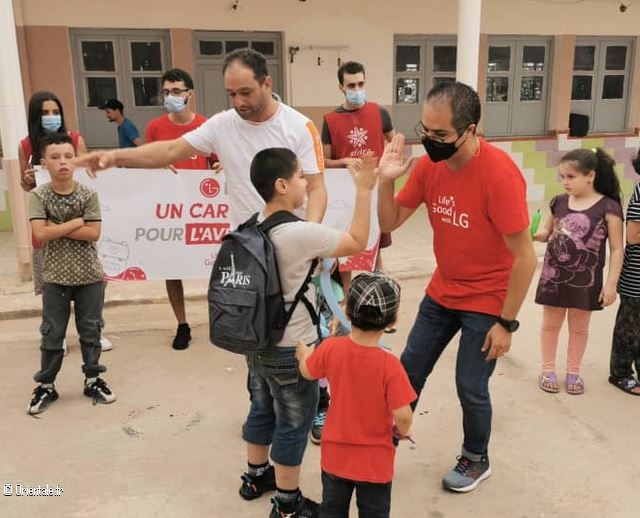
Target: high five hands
{"type": "Point", "coordinates": [392, 164]}
{"type": "Point", "coordinates": [363, 170]}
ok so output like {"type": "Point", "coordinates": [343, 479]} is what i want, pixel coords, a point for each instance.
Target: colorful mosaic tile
{"type": "Point", "coordinates": [539, 158]}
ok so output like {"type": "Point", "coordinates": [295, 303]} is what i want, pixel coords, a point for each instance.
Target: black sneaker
{"type": "Point", "coordinates": [254, 487]}
{"type": "Point", "coordinates": [318, 425]}
{"type": "Point", "coordinates": [301, 508]}
{"type": "Point", "coordinates": [182, 338]}
{"type": "Point", "coordinates": [99, 392]}
{"type": "Point", "coordinates": [467, 474]}
{"type": "Point", "coordinates": [41, 399]}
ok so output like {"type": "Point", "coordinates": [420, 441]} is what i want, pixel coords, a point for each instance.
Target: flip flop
{"type": "Point", "coordinates": [576, 381]}
{"type": "Point", "coordinates": [548, 381]}
{"type": "Point", "coordinates": [626, 384]}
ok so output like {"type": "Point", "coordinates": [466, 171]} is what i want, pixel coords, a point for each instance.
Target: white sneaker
{"type": "Point", "coordinates": [105, 343]}
{"type": "Point", "coordinates": [64, 347]}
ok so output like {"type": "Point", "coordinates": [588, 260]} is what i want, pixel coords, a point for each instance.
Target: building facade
{"type": "Point", "coordinates": [552, 74]}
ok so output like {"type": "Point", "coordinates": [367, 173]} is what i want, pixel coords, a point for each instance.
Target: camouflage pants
{"type": "Point", "coordinates": [625, 346]}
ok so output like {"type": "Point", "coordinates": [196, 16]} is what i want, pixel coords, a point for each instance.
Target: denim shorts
{"type": "Point", "coordinates": [283, 405]}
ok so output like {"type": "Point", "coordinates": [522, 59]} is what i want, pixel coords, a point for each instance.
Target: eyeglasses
{"type": "Point", "coordinates": [175, 91]}
{"type": "Point", "coordinates": [438, 135]}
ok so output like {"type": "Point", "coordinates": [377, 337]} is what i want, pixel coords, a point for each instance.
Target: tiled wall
{"type": "Point", "coordinates": [537, 159]}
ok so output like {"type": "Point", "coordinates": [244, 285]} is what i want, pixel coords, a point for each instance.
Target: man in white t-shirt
{"type": "Point", "coordinates": [257, 121]}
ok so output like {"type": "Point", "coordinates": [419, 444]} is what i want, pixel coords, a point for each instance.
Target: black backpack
{"type": "Point", "coordinates": [246, 307]}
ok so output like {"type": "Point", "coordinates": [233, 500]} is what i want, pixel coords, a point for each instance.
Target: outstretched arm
{"type": "Point", "coordinates": [153, 155]}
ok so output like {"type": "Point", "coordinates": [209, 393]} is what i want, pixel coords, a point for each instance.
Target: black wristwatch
{"type": "Point", "coordinates": [510, 325]}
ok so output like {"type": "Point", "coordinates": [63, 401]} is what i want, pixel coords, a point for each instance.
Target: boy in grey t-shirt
{"type": "Point", "coordinates": [283, 403]}
{"type": "Point", "coordinates": [66, 216]}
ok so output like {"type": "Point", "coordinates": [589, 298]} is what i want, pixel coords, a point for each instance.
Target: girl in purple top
{"type": "Point", "coordinates": [571, 285]}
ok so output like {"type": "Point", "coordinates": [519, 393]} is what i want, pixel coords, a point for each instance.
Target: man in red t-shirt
{"type": "Point", "coordinates": [371, 401]}
{"type": "Point", "coordinates": [475, 197]}
{"type": "Point", "coordinates": [177, 88]}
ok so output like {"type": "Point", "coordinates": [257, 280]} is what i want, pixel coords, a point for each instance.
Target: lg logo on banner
{"type": "Point", "coordinates": [209, 187]}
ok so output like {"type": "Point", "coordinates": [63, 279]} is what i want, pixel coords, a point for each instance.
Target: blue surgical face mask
{"type": "Point", "coordinates": [356, 97]}
{"type": "Point", "coordinates": [175, 103]}
{"type": "Point", "coordinates": [51, 123]}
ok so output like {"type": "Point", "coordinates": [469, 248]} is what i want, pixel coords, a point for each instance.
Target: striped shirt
{"type": "Point", "coordinates": [629, 283]}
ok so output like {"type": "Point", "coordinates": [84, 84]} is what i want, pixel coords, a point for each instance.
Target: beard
{"type": "Point", "coordinates": [254, 112]}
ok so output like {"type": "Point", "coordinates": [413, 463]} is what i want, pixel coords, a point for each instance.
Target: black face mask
{"type": "Point", "coordinates": [439, 151]}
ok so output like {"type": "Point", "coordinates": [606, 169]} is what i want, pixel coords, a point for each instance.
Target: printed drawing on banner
{"type": "Point", "coordinates": [114, 256]}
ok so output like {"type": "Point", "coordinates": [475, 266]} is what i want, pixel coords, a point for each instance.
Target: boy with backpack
{"type": "Point", "coordinates": [283, 403]}
{"type": "Point", "coordinates": [370, 403]}
{"type": "Point", "coordinates": [66, 216]}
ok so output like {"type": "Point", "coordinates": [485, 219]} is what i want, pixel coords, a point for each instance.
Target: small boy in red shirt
{"type": "Point", "coordinates": [370, 391]}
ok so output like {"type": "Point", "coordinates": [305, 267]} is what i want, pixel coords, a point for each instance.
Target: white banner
{"type": "Point", "coordinates": [161, 225]}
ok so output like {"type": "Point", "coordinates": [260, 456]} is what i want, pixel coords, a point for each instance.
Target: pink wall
{"type": "Point", "coordinates": [182, 50]}
{"type": "Point", "coordinates": [49, 70]}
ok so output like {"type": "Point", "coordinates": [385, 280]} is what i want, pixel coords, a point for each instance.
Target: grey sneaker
{"type": "Point", "coordinates": [467, 474]}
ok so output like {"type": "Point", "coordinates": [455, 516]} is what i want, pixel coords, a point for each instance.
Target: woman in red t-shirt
{"type": "Point", "coordinates": [45, 116]}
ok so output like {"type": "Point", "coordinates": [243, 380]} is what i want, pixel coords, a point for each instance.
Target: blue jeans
{"type": "Point", "coordinates": [373, 500]}
{"type": "Point", "coordinates": [283, 405]}
{"type": "Point", "coordinates": [432, 331]}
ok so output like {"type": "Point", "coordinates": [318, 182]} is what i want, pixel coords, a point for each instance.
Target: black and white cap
{"type": "Point", "coordinates": [376, 290]}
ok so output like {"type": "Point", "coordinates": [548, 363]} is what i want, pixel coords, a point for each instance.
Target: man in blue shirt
{"type": "Point", "coordinates": [128, 135]}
